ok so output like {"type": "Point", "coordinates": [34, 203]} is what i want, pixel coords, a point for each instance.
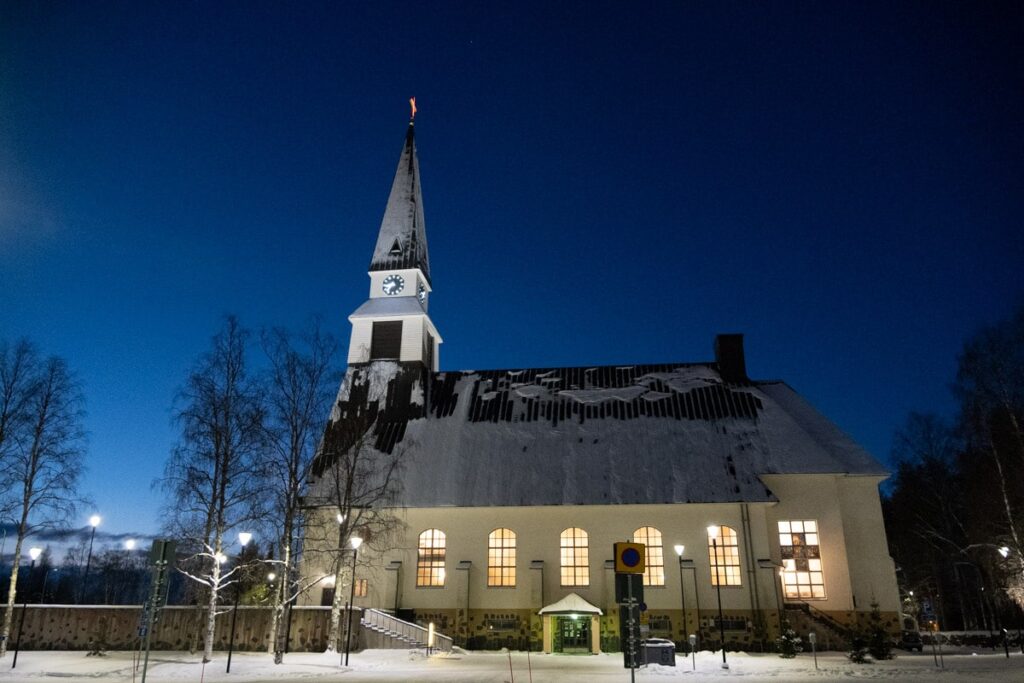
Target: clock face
{"type": "Point", "coordinates": [422, 293]}
{"type": "Point", "coordinates": [393, 284]}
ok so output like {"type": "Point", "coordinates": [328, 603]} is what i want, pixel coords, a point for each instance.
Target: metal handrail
{"type": "Point", "coordinates": [823, 618]}
{"type": "Point", "coordinates": [408, 631]}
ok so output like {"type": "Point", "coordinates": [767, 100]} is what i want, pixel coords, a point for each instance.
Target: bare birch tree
{"type": "Point", "coordinates": [215, 477]}
{"type": "Point", "coordinates": [298, 393]}
{"type": "Point", "coordinates": [356, 491]}
{"type": "Point", "coordinates": [43, 448]}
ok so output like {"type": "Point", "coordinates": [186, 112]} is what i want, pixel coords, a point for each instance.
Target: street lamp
{"type": "Point", "coordinates": [713, 531]}
{"type": "Point", "coordinates": [94, 522]}
{"type": "Point", "coordinates": [34, 553]}
{"type": "Point", "coordinates": [243, 539]}
{"type": "Point", "coordinates": [767, 563]}
{"type": "Point", "coordinates": [356, 542]}
{"type": "Point", "coordinates": [129, 544]}
{"type": "Point", "coordinates": [682, 589]}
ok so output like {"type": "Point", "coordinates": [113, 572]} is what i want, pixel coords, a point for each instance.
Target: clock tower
{"type": "Point", "coordinates": [393, 324]}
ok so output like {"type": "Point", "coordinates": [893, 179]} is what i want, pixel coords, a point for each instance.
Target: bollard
{"type": "Point", "coordinates": [693, 650]}
{"type": "Point", "coordinates": [813, 637]}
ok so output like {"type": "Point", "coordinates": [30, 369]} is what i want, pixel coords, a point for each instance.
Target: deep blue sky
{"type": "Point", "coordinates": [604, 183]}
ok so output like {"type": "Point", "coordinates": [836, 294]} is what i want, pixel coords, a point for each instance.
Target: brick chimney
{"type": "Point", "coordinates": [732, 364]}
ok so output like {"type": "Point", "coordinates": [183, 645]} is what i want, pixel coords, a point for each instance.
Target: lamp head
{"type": "Point", "coordinates": [679, 549]}
{"type": "Point", "coordinates": [341, 518]}
{"type": "Point", "coordinates": [356, 542]}
{"type": "Point", "coordinates": [244, 537]}
{"type": "Point", "coordinates": [1004, 551]}
{"type": "Point", "coordinates": [271, 576]}
{"type": "Point", "coordinates": [130, 544]}
{"type": "Point", "coordinates": [713, 531]}
{"type": "Point", "coordinates": [34, 553]}
{"type": "Point", "coordinates": [221, 558]}
{"type": "Point", "coordinates": [94, 521]}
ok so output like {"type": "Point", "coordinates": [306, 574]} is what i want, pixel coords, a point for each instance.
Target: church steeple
{"type": "Point", "coordinates": [393, 324]}
{"type": "Point", "coordinates": [402, 239]}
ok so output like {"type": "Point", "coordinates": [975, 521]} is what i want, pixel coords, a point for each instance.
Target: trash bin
{"type": "Point", "coordinates": [658, 651]}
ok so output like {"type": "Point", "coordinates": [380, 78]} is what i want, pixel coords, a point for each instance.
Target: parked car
{"type": "Point", "coordinates": [911, 640]}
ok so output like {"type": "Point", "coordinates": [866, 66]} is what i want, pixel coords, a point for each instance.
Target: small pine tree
{"type": "Point", "coordinates": [859, 652]}
{"type": "Point", "coordinates": [879, 642]}
{"type": "Point", "coordinates": [789, 643]}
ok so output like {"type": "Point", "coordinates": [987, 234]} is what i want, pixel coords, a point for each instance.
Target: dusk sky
{"type": "Point", "coordinates": [604, 183]}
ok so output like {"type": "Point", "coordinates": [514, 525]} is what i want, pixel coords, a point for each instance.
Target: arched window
{"type": "Point", "coordinates": [575, 558]}
{"type": "Point", "coordinates": [654, 574]}
{"type": "Point", "coordinates": [430, 558]}
{"type": "Point", "coordinates": [501, 558]}
{"type": "Point", "coordinates": [725, 560]}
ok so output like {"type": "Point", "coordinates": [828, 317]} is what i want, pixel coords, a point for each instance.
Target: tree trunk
{"type": "Point", "coordinates": [283, 588]}
{"type": "Point", "coordinates": [334, 634]}
{"type": "Point", "coordinates": [12, 592]}
{"type": "Point", "coordinates": [211, 615]}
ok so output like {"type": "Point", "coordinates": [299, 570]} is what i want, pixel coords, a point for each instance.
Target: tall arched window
{"type": "Point", "coordinates": [725, 560]}
{"type": "Point", "coordinates": [654, 574]}
{"type": "Point", "coordinates": [501, 558]}
{"type": "Point", "coordinates": [575, 558]}
{"type": "Point", "coordinates": [430, 558]}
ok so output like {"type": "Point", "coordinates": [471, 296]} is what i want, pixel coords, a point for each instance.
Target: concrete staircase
{"type": "Point", "coordinates": [804, 618]}
{"type": "Point", "coordinates": [392, 632]}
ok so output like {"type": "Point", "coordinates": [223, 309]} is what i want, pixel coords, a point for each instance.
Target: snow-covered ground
{"type": "Point", "coordinates": [493, 667]}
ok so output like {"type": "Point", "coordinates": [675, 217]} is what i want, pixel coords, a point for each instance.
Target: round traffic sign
{"type": "Point", "coordinates": [630, 557]}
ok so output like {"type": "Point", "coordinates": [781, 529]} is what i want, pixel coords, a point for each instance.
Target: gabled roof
{"type": "Point", "coordinates": [402, 240]}
{"type": "Point", "coordinates": [638, 434]}
{"type": "Point", "coordinates": [570, 604]}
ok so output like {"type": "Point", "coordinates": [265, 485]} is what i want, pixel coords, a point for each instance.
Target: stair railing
{"type": "Point", "coordinates": [405, 630]}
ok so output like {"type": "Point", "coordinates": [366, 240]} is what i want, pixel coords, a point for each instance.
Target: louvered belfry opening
{"type": "Point", "coordinates": [386, 342]}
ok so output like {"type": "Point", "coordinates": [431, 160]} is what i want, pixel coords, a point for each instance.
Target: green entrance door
{"type": "Point", "coordinates": [572, 635]}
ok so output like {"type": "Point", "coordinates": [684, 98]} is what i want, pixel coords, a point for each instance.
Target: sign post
{"type": "Point", "coordinates": [629, 593]}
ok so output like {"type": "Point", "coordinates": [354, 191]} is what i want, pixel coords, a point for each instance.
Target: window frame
{"type": "Point", "coordinates": [498, 548]}
{"type": "Point", "coordinates": [725, 561]}
{"type": "Point", "coordinates": [803, 570]}
{"type": "Point", "coordinates": [578, 554]}
{"type": "Point", "coordinates": [430, 564]}
{"type": "Point", "coordinates": [654, 562]}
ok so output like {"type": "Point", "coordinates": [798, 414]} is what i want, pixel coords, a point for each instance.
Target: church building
{"type": "Point", "coordinates": [513, 485]}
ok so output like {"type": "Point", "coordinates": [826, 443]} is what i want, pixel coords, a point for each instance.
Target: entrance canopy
{"type": "Point", "coordinates": [571, 604]}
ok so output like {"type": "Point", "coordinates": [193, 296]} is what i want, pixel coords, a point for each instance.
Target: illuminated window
{"type": "Point", "coordinates": [802, 575]}
{"type": "Point", "coordinates": [430, 561]}
{"type": "Point", "coordinates": [654, 574]}
{"type": "Point", "coordinates": [361, 587]}
{"type": "Point", "coordinates": [501, 558]}
{"type": "Point", "coordinates": [725, 561]}
{"type": "Point", "coordinates": [575, 558]}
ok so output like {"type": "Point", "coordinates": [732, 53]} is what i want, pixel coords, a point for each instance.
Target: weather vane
{"type": "Point", "coordinates": [412, 103]}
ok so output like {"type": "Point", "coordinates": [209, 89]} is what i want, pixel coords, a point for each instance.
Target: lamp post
{"type": "Point", "coordinates": [243, 539]}
{"type": "Point", "coordinates": [356, 542]}
{"type": "Point", "coordinates": [687, 564]}
{"type": "Point", "coordinates": [94, 522]}
{"type": "Point", "coordinates": [34, 553]}
{"type": "Point", "coordinates": [767, 563]}
{"type": "Point", "coordinates": [713, 534]}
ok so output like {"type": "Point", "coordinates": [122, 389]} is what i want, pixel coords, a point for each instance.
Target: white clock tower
{"type": "Point", "coordinates": [393, 324]}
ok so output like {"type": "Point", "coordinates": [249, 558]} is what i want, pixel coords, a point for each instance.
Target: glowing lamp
{"type": "Point", "coordinates": [713, 531]}
{"type": "Point", "coordinates": [1004, 551]}
{"type": "Point", "coordinates": [356, 542]}
{"type": "Point", "coordinates": [130, 544]}
{"type": "Point", "coordinates": [680, 549]}
{"type": "Point", "coordinates": [94, 521]}
{"type": "Point", "coordinates": [341, 518]}
{"type": "Point", "coordinates": [34, 553]}
{"type": "Point", "coordinates": [244, 537]}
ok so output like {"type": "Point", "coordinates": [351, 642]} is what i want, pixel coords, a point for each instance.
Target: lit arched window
{"type": "Point", "coordinates": [501, 558]}
{"type": "Point", "coordinates": [430, 558]}
{"type": "Point", "coordinates": [725, 562]}
{"type": "Point", "coordinates": [575, 558]}
{"type": "Point", "coordinates": [654, 574]}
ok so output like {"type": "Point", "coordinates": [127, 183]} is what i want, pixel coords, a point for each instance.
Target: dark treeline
{"type": "Point", "coordinates": [955, 509]}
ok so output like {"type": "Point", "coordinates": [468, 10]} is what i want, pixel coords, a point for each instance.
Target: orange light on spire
{"type": "Point", "coordinates": [412, 103]}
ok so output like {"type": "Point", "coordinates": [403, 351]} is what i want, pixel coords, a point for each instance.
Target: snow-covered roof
{"type": "Point", "coordinates": [635, 434]}
{"type": "Point", "coordinates": [391, 306]}
{"type": "Point", "coordinates": [571, 604]}
{"type": "Point", "coordinates": [402, 240]}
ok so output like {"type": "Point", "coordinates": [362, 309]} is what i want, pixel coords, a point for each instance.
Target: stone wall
{"type": "Point", "coordinates": [71, 627]}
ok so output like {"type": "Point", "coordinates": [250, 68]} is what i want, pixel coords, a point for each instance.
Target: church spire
{"type": "Point", "coordinates": [402, 240]}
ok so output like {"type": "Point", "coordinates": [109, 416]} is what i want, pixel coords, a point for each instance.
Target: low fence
{"type": "Point", "coordinates": [79, 627]}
